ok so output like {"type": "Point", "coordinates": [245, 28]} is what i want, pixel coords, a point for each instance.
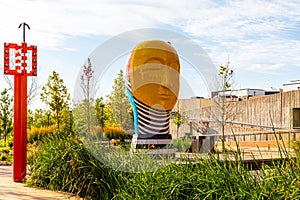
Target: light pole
{"type": "Point", "coordinates": [102, 107]}
{"type": "Point", "coordinates": [48, 117]}
{"type": "Point", "coordinates": [70, 111]}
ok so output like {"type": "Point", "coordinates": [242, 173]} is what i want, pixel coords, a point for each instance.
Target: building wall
{"type": "Point", "coordinates": [258, 112]}
{"type": "Point", "coordinates": [192, 110]}
{"type": "Point", "coordinates": [294, 85]}
{"type": "Point", "coordinates": [248, 92]}
{"type": "Point", "coordinates": [243, 92]}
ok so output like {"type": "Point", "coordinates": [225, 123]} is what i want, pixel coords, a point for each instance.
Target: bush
{"type": "Point", "coordinates": [182, 144]}
{"type": "Point", "coordinates": [10, 141]}
{"type": "Point", "coordinates": [4, 150]}
{"type": "Point", "coordinates": [116, 133]}
{"type": "Point", "coordinates": [96, 131]}
{"type": "Point", "coordinates": [5, 155]}
{"type": "Point", "coordinates": [35, 134]}
{"type": "Point", "coordinates": [297, 148]}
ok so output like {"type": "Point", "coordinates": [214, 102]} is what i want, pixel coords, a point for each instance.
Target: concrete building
{"type": "Point", "coordinates": [293, 85]}
{"type": "Point", "coordinates": [242, 93]}
{"type": "Point", "coordinates": [247, 118]}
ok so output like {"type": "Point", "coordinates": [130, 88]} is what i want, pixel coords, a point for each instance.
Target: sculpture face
{"type": "Point", "coordinates": [154, 74]}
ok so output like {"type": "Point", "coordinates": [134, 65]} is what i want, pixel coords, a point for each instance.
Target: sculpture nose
{"type": "Point", "coordinates": [156, 74]}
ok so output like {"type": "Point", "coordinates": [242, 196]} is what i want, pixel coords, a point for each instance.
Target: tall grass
{"type": "Point", "coordinates": [37, 133]}
{"type": "Point", "coordinates": [62, 162]}
{"type": "Point", "coordinates": [116, 133]}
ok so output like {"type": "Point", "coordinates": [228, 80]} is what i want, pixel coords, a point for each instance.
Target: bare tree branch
{"type": "Point", "coordinates": [33, 88]}
{"type": "Point", "coordinates": [10, 81]}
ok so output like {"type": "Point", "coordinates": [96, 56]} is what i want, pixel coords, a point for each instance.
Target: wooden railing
{"type": "Point", "coordinates": [264, 136]}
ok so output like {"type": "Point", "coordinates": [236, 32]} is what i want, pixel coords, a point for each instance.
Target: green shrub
{"type": "Point", "coordinates": [97, 131]}
{"type": "Point", "coordinates": [297, 148]}
{"type": "Point", "coordinates": [3, 157]}
{"type": "Point", "coordinates": [37, 133]}
{"type": "Point", "coordinates": [182, 144]}
{"type": "Point", "coordinates": [5, 150]}
{"type": "Point", "coordinates": [116, 133]}
{"type": "Point", "coordinates": [9, 142]}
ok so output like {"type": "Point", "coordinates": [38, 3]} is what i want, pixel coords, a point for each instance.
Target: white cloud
{"type": "Point", "coordinates": [240, 19]}
{"type": "Point", "coordinates": [259, 35]}
{"type": "Point", "coordinates": [230, 20]}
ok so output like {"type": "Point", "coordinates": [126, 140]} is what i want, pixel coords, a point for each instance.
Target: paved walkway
{"type": "Point", "coordinates": [10, 190]}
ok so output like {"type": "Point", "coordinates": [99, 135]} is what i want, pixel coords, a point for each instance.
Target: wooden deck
{"type": "Point", "coordinates": [254, 154]}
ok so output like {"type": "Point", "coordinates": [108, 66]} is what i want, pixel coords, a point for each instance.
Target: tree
{"type": "Point", "coordinates": [6, 111]}
{"type": "Point", "coordinates": [119, 103]}
{"type": "Point", "coordinates": [99, 108]}
{"type": "Point", "coordinates": [104, 113]}
{"type": "Point", "coordinates": [178, 118]}
{"type": "Point", "coordinates": [38, 118]}
{"type": "Point", "coordinates": [86, 81]}
{"type": "Point", "coordinates": [223, 106]}
{"type": "Point", "coordinates": [80, 118]}
{"type": "Point", "coordinates": [55, 95]}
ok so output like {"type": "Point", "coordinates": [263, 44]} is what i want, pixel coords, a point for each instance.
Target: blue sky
{"type": "Point", "coordinates": [262, 38]}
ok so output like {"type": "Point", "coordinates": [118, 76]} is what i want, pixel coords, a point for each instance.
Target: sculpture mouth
{"type": "Point", "coordinates": [165, 96]}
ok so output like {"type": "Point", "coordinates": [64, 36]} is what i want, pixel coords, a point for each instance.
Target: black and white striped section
{"type": "Point", "coordinates": [153, 125]}
{"type": "Point", "coordinates": [150, 120]}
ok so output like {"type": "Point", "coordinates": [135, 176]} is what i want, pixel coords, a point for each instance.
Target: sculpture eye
{"type": "Point", "coordinates": [155, 60]}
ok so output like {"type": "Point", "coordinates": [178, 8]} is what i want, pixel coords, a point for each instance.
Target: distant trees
{"type": "Point", "coordinates": [55, 95]}
{"type": "Point", "coordinates": [119, 103]}
{"type": "Point", "coordinates": [99, 108]}
{"type": "Point", "coordinates": [115, 111]}
{"type": "Point", "coordinates": [83, 126]}
{"type": "Point", "coordinates": [38, 118]}
{"type": "Point", "coordinates": [105, 114]}
{"type": "Point", "coordinates": [6, 111]}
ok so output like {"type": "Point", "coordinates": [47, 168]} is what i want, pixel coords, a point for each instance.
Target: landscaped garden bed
{"type": "Point", "coordinates": [61, 162]}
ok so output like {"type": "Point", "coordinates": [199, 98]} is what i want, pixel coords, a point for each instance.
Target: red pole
{"type": "Point", "coordinates": [19, 170]}
{"type": "Point", "coordinates": [20, 121]}
{"type": "Point", "coordinates": [20, 73]}
{"type": "Point", "coordinates": [23, 112]}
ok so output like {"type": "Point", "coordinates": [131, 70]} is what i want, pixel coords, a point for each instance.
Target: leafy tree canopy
{"type": "Point", "coordinates": [55, 95]}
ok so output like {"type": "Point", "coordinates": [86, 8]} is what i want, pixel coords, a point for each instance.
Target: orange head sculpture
{"type": "Point", "coordinates": [153, 74]}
